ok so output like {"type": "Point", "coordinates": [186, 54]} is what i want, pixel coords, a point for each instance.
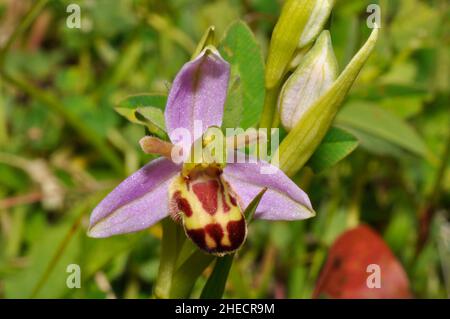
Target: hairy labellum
{"type": "Point", "coordinates": [209, 211]}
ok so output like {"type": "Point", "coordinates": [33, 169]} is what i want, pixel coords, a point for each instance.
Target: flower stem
{"type": "Point", "coordinates": [270, 107]}
{"type": "Point", "coordinates": [169, 254]}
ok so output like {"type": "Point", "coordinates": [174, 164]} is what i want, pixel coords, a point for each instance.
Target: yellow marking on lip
{"type": "Point", "coordinates": [226, 239]}
{"type": "Point", "coordinates": [210, 242]}
{"type": "Point", "coordinates": [200, 218]}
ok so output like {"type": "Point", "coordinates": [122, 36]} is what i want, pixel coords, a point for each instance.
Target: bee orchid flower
{"type": "Point", "coordinates": [207, 198]}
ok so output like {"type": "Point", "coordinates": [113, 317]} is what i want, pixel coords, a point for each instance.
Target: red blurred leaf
{"type": "Point", "coordinates": [346, 272]}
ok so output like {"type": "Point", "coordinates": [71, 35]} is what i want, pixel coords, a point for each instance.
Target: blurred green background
{"type": "Point", "coordinates": [63, 147]}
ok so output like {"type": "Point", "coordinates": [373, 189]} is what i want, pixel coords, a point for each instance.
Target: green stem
{"type": "Point", "coordinates": [270, 107]}
{"type": "Point", "coordinates": [276, 120]}
{"type": "Point", "coordinates": [170, 247]}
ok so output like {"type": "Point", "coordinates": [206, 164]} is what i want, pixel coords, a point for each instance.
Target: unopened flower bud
{"type": "Point", "coordinates": [313, 76]}
{"type": "Point", "coordinates": [316, 21]}
{"type": "Point", "coordinates": [310, 128]}
{"type": "Point", "coordinates": [285, 38]}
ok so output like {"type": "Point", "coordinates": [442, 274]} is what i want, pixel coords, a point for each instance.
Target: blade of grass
{"type": "Point", "coordinates": [170, 248]}
{"type": "Point", "coordinates": [215, 286]}
{"type": "Point", "coordinates": [186, 276]}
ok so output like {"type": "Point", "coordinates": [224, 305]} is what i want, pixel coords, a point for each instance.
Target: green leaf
{"type": "Point", "coordinates": [246, 91]}
{"type": "Point", "coordinates": [151, 120]}
{"type": "Point", "coordinates": [142, 100]}
{"type": "Point", "coordinates": [375, 144]}
{"type": "Point", "coordinates": [382, 124]}
{"type": "Point", "coordinates": [188, 273]}
{"type": "Point", "coordinates": [215, 286]}
{"type": "Point", "coordinates": [152, 115]}
{"type": "Point", "coordinates": [336, 145]}
{"type": "Point", "coordinates": [145, 110]}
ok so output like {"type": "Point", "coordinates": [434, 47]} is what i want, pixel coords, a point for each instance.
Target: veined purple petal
{"type": "Point", "coordinates": [283, 200]}
{"type": "Point", "coordinates": [138, 202]}
{"type": "Point", "coordinates": [198, 93]}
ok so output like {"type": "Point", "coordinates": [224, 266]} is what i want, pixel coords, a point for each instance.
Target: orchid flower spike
{"type": "Point", "coordinates": [207, 196]}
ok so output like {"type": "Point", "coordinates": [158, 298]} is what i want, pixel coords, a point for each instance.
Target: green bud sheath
{"type": "Point", "coordinates": [316, 21]}
{"type": "Point", "coordinates": [313, 77]}
{"type": "Point", "coordinates": [306, 135]}
{"type": "Point", "coordinates": [285, 38]}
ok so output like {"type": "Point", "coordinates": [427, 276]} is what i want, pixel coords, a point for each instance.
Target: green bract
{"type": "Point", "coordinates": [305, 136]}
{"type": "Point", "coordinates": [316, 21]}
{"type": "Point", "coordinates": [285, 38]}
{"type": "Point", "coordinates": [314, 75]}
{"type": "Point", "coordinates": [208, 38]}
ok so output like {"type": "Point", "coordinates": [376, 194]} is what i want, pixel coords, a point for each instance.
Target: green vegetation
{"type": "Point", "coordinates": [64, 145]}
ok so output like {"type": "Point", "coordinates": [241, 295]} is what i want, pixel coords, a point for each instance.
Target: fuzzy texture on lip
{"type": "Point", "coordinates": [141, 200]}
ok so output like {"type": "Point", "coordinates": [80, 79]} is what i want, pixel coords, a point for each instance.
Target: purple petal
{"type": "Point", "coordinates": [283, 200]}
{"type": "Point", "coordinates": [138, 202]}
{"type": "Point", "coordinates": [198, 93]}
